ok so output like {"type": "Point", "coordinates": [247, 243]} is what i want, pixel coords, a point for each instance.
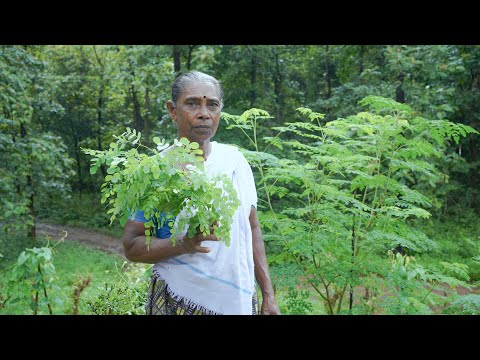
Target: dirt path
{"type": "Point", "coordinates": [87, 237]}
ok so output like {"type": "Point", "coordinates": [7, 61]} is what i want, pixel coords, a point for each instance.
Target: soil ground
{"type": "Point", "coordinates": [88, 237]}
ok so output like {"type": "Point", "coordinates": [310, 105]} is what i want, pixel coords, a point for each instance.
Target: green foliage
{"type": "Point", "coordinates": [36, 167]}
{"type": "Point", "coordinates": [379, 104]}
{"type": "Point", "coordinates": [79, 210]}
{"type": "Point", "coordinates": [457, 240]}
{"type": "Point", "coordinates": [32, 162]}
{"type": "Point", "coordinates": [297, 302]}
{"type": "Point", "coordinates": [414, 284]}
{"type": "Point", "coordinates": [126, 294]}
{"type": "Point", "coordinates": [172, 182]}
{"type": "Point", "coordinates": [350, 200]}
{"type": "Point", "coordinates": [56, 99]}
{"type": "Point", "coordinates": [71, 261]}
{"type": "Point", "coordinates": [11, 247]}
{"type": "Point", "coordinates": [34, 267]}
{"type": "Point", "coordinates": [85, 93]}
{"type": "Point", "coordinates": [445, 129]}
{"type": "Point", "coordinates": [464, 305]}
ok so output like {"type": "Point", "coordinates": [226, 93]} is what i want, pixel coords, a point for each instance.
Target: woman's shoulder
{"type": "Point", "coordinates": [225, 149]}
{"type": "Point", "coordinates": [231, 153]}
{"type": "Point", "coordinates": [228, 154]}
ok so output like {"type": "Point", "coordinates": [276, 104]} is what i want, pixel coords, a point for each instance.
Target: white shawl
{"type": "Point", "coordinates": [223, 280]}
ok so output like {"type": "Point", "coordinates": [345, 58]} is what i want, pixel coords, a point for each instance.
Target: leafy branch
{"type": "Point", "coordinates": [170, 185]}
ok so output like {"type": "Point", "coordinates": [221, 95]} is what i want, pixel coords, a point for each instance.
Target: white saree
{"type": "Point", "coordinates": [223, 280]}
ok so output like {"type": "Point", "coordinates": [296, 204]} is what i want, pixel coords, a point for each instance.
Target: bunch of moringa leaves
{"type": "Point", "coordinates": [170, 184]}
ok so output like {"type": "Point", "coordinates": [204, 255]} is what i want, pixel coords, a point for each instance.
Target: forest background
{"type": "Point", "coordinates": [365, 156]}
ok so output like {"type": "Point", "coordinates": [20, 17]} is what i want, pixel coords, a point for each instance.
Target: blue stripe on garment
{"type": "Point", "coordinates": [212, 277]}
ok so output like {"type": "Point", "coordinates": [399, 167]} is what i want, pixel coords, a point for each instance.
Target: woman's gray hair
{"type": "Point", "coordinates": [179, 84]}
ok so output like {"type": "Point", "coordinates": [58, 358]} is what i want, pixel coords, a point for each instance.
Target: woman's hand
{"type": "Point", "coordinates": [269, 306]}
{"type": "Point", "coordinates": [193, 245]}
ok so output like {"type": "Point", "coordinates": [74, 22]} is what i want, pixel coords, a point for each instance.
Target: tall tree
{"type": "Point", "coordinates": [32, 163]}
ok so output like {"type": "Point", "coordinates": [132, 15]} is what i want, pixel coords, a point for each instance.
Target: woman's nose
{"type": "Point", "coordinates": [203, 111]}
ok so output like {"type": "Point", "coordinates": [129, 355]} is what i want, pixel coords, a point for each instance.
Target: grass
{"type": "Point", "coordinates": [72, 260]}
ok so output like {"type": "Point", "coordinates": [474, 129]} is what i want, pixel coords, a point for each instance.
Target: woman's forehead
{"type": "Point", "coordinates": [200, 89]}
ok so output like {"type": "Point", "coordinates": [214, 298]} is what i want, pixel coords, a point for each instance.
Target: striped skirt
{"type": "Point", "coordinates": [162, 302]}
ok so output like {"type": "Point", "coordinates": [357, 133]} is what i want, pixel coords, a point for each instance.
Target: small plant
{"type": "Point", "coordinates": [171, 183]}
{"type": "Point", "coordinates": [126, 296]}
{"type": "Point", "coordinates": [297, 302]}
{"type": "Point", "coordinates": [3, 298]}
{"type": "Point", "coordinates": [464, 305]}
{"type": "Point", "coordinates": [34, 266]}
{"type": "Point", "coordinates": [79, 284]}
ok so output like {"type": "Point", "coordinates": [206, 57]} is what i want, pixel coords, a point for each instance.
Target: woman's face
{"type": "Point", "coordinates": [198, 110]}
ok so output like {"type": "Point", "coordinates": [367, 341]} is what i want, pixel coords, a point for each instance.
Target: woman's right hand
{"type": "Point", "coordinates": [194, 244]}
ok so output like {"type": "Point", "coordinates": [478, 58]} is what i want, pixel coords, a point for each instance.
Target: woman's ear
{"type": "Point", "coordinates": [172, 110]}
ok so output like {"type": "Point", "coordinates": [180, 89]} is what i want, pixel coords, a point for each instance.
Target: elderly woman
{"type": "Point", "coordinates": [201, 275]}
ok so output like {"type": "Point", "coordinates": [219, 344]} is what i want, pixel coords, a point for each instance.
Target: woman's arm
{"type": "Point", "coordinates": [269, 304]}
{"type": "Point", "coordinates": [136, 248]}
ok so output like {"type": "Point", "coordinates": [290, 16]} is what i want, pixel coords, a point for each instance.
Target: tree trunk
{"type": "Point", "coordinates": [474, 172]}
{"type": "Point", "coordinates": [278, 89]}
{"type": "Point", "coordinates": [31, 208]}
{"type": "Point", "coordinates": [176, 59]}
{"type": "Point", "coordinates": [350, 290]}
{"type": "Point", "coordinates": [400, 97]}
{"type": "Point", "coordinates": [31, 229]}
{"type": "Point", "coordinates": [99, 130]}
{"type": "Point", "coordinates": [79, 167]}
{"type": "Point", "coordinates": [100, 109]}
{"type": "Point", "coordinates": [328, 75]}
{"type": "Point", "coordinates": [253, 78]}
{"type": "Point", "coordinates": [137, 116]}
{"type": "Point", "coordinates": [380, 60]}
{"type": "Point", "coordinates": [362, 60]}
{"type": "Point", "coordinates": [189, 56]}
{"type": "Point", "coordinates": [399, 93]}
{"type": "Point", "coordinates": [146, 119]}
{"type": "Point", "coordinates": [74, 134]}
{"type": "Point", "coordinates": [313, 70]}
{"type": "Point", "coordinates": [473, 142]}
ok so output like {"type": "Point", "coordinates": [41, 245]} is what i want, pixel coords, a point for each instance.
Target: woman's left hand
{"type": "Point", "coordinates": [269, 306]}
